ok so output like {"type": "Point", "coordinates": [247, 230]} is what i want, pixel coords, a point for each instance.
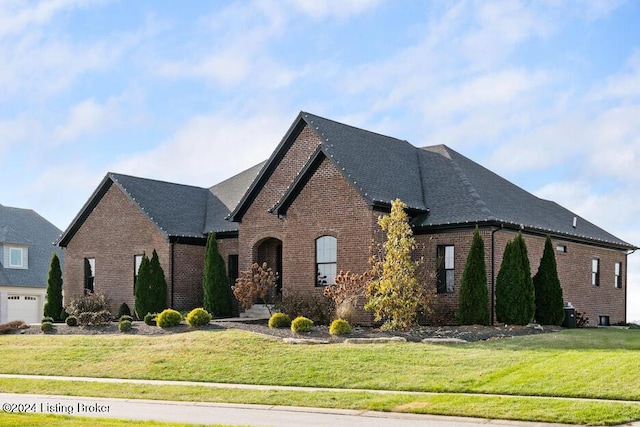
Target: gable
{"type": "Point", "coordinates": [26, 247]}
{"type": "Point", "coordinates": [379, 167]}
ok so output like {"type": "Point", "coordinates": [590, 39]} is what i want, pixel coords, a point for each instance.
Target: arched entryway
{"type": "Point", "coordinates": [269, 250]}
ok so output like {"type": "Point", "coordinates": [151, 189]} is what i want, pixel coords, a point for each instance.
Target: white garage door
{"type": "Point", "coordinates": [23, 307]}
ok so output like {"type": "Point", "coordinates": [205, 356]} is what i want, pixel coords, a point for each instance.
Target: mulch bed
{"type": "Point", "coordinates": [467, 333]}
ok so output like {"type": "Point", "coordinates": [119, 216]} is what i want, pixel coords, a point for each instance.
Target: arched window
{"type": "Point", "coordinates": [326, 260]}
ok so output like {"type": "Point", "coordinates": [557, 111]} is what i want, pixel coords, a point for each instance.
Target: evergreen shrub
{"type": "Point", "coordinates": [71, 321]}
{"type": "Point", "coordinates": [46, 319]}
{"type": "Point", "coordinates": [168, 318]}
{"type": "Point", "coordinates": [279, 320]}
{"type": "Point", "coordinates": [340, 327]}
{"type": "Point", "coordinates": [124, 325]}
{"type": "Point", "coordinates": [301, 324]}
{"type": "Point", "coordinates": [198, 317]}
{"type": "Point", "coordinates": [46, 327]}
{"type": "Point", "coordinates": [125, 317]}
{"type": "Point", "coordinates": [150, 319]}
{"type": "Point", "coordinates": [124, 310]}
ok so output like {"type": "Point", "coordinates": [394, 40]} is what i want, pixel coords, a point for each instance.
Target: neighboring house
{"type": "Point", "coordinates": [311, 210]}
{"type": "Point", "coordinates": [26, 246]}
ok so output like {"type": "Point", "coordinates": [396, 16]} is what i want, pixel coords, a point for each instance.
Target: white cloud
{"type": "Point", "coordinates": [17, 15]}
{"type": "Point", "coordinates": [209, 149]}
{"type": "Point", "coordinates": [90, 118]}
{"type": "Point", "coordinates": [323, 9]}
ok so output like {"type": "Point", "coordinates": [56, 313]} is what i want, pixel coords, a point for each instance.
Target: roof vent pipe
{"type": "Point", "coordinates": [575, 221]}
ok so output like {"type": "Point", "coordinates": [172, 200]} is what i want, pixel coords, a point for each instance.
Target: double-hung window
{"type": "Point", "coordinates": [326, 260]}
{"type": "Point", "coordinates": [618, 275]}
{"type": "Point", "coordinates": [89, 275]}
{"type": "Point", "coordinates": [445, 260]}
{"type": "Point", "coordinates": [595, 272]}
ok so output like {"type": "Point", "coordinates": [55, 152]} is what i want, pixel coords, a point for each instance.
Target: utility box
{"type": "Point", "coordinates": [569, 316]}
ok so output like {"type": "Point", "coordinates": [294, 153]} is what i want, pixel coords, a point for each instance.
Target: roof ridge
{"type": "Point", "coordinates": [473, 192]}
{"type": "Point", "coordinates": [161, 181]}
{"type": "Point", "coordinates": [305, 113]}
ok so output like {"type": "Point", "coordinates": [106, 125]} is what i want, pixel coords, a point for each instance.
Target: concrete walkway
{"type": "Point", "coordinates": [232, 414]}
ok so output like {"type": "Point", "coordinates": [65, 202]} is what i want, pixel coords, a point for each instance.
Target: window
{"type": "Point", "coordinates": [233, 268]}
{"type": "Point", "coordinates": [445, 269]}
{"type": "Point", "coordinates": [595, 272]}
{"type": "Point", "coordinates": [89, 274]}
{"type": "Point", "coordinates": [562, 248]}
{"type": "Point", "coordinates": [137, 261]}
{"type": "Point", "coordinates": [618, 275]}
{"type": "Point", "coordinates": [17, 258]}
{"type": "Point", "coordinates": [326, 260]}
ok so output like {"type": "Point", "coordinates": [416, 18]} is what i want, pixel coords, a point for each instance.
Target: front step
{"type": "Point", "coordinates": [257, 311]}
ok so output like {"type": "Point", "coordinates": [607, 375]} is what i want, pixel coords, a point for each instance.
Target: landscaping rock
{"type": "Point", "coordinates": [305, 341]}
{"type": "Point", "coordinates": [376, 340]}
{"type": "Point", "coordinates": [444, 341]}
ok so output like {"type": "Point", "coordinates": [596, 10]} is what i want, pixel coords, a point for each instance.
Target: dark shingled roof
{"type": "Point", "coordinates": [441, 187]}
{"type": "Point", "coordinates": [460, 191]}
{"type": "Point", "coordinates": [380, 167]}
{"type": "Point", "coordinates": [177, 210]}
{"type": "Point", "coordinates": [25, 227]}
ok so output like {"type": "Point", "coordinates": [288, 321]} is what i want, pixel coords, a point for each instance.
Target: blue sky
{"type": "Point", "coordinates": [545, 93]}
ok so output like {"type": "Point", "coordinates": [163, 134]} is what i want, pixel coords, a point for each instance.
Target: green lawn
{"type": "Point", "coordinates": [30, 420]}
{"type": "Point", "coordinates": [593, 363]}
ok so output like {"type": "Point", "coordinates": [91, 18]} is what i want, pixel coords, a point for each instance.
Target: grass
{"type": "Point", "coordinates": [29, 420]}
{"type": "Point", "coordinates": [518, 408]}
{"type": "Point", "coordinates": [592, 363]}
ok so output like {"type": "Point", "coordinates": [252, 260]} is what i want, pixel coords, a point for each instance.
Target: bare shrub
{"type": "Point", "coordinates": [257, 282]}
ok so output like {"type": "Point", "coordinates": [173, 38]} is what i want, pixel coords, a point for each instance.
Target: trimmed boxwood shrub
{"type": "Point", "coordinates": [46, 319]}
{"type": "Point", "coordinates": [150, 319]}
{"type": "Point", "coordinates": [198, 317]}
{"type": "Point", "coordinates": [124, 325]}
{"type": "Point", "coordinates": [125, 317]}
{"type": "Point", "coordinates": [124, 310]}
{"type": "Point", "coordinates": [71, 321]}
{"type": "Point", "coordinates": [340, 327]}
{"type": "Point", "coordinates": [168, 318]}
{"type": "Point", "coordinates": [46, 327]}
{"type": "Point", "coordinates": [301, 324]}
{"type": "Point", "coordinates": [279, 320]}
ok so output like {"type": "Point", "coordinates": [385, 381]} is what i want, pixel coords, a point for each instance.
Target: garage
{"type": "Point", "coordinates": [24, 307]}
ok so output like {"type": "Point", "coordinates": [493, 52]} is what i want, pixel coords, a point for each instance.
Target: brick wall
{"type": "Point", "coordinates": [327, 205]}
{"type": "Point", "coordinates": [113, 233]}
{"type": "Point", "coordinates": [574, 270]}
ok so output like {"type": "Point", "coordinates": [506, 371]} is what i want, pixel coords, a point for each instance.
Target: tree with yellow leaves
{"type": "Point", "coordinates": [395, 294]}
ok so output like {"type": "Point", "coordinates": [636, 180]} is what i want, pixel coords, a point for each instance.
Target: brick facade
{"type": "Point", "coordinates": [325, 205]}
{"type": "Point", "coordinates": [113, 233]}
{"type": "Point", "coordinates": [574, 270]}
{"type": "Point", "coordinates": [117, 230]}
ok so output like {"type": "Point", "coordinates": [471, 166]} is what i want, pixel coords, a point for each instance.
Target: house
{"type": "Point", "coordinates": [26, 247]}
{"type": "Point", "coordinates": [311, 210]}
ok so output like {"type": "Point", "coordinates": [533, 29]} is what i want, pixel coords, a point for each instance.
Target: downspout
{"type": "Point", "coordinates": [494, 230]}
{"type": "Point", "coordinates": [172, 245]}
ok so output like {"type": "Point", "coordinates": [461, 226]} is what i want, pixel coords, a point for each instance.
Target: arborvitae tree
{"type": "Point", "coordinates": [158, 285]}
{"type": "Point", "coordinates": [53, 306]}
{"type": "Point", "coordinates": [142, 289]}
{"type": "Point", "coordinates": [473, 306]}
{"type": "Point", "coordinates": [395, 293]}
{"type": "Point", "coordinates": [548, 292]}
{"type": "Point", "coordinates": [215, 283]}
{"type": "Point", "coordinates": [514, 286]}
